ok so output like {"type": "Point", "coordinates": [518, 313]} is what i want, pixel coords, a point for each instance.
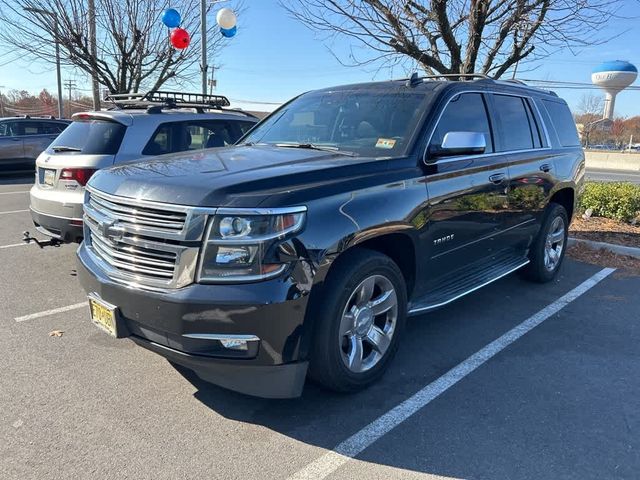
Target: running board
{"type": "Point", "coordinates": [453, 286]}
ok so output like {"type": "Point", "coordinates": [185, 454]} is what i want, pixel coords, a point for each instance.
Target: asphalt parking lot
{"type": "Point", "coordinates": [516, 381]}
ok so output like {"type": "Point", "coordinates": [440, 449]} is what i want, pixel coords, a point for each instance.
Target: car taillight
{"type": "Point", "coordinates": [80, 175]}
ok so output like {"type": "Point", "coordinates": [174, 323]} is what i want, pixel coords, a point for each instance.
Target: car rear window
{"type": "Point", "coordinates": [563, 123]}
{"type": "Point", "coordinates": [92, 137]}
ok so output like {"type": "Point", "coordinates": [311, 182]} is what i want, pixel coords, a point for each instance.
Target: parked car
{"type": "Point", "coordinates": [22, 139]}
{"type": "Point", "coordinates": [140, 126]}
{"type": "Point", "coordinates": [303, 249]}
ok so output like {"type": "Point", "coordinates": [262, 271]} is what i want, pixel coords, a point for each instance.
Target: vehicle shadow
{"type": "Point", "coordinates": [433, 344]}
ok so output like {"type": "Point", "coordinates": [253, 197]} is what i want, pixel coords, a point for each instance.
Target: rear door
{"type": "Point", "coordinates": [11, 147]}
{"type": "Point", "coordinates": [186, 135]}
{"type": "Point", "coordinates": [466, 193]}
{"type": "Point", "coordinates": [523, 144]}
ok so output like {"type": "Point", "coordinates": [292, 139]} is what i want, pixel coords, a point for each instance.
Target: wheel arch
{"type": "Point", "coordinates": [566, 197]}
{"type": "Point", "coordinates": [399, 245]}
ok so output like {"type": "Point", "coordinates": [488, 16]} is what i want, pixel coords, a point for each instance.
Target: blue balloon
{"type": "Point", "coordinates": [228, 32]}
{"type": "Point", "coordinates": [171, 18]}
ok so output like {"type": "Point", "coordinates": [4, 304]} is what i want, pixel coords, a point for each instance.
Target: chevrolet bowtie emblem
{"type": "Point", "coordinates": [111, 230]}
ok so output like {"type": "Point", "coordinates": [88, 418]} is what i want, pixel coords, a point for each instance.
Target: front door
{"type": "Point", "coordinates": [467, 194]}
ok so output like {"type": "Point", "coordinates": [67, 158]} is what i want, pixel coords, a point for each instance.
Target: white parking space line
{"type": "Point", "coordinates": [14, 245]}
{"type": "Point", "coordinates": [46, 313]}
{"type": "Point", "coordinates": [14, 211]}
{"type": "Point", "coordinates": [357, 443]}
{"type": "Point", "coordinates": [14, 193]}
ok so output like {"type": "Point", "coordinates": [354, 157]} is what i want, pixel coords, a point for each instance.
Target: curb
{"type": "Point", "coordinates": [618, 249]}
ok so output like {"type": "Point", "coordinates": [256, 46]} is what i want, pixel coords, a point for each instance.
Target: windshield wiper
{"type": "Point", "coordinates": [314, 146]}
{"type": "Point", "coordinates": [62, 148]}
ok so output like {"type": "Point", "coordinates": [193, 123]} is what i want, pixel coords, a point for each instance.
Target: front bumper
{"type": "Point", "coordinates": [180, 324]}
{"type": "Point", "coordinates": [57, 214]}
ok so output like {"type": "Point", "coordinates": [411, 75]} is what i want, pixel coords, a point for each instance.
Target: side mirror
{"type": "Point", "coordinates": [459, 143]}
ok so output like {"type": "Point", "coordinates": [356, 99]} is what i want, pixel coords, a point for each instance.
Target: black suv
{"type": "Point", "coordinates": [303, 249]}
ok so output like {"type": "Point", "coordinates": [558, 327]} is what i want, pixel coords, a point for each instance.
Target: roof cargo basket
{"type": "Point", "coordinates": [416, 79]}
{"type": "Point", "coordinates": [164, 99]}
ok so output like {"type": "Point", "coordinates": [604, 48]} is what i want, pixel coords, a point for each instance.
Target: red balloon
{"type": "Point", "coordinates": [180, 38]}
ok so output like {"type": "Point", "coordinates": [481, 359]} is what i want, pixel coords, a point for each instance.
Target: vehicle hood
{"type": "Point", "coordinates": [240, 176]}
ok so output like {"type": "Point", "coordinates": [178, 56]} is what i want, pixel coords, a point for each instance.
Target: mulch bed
{"type": "Point", "coordinates": [605, 258]}
{"type": "Point", "coordinates": [605, 230]}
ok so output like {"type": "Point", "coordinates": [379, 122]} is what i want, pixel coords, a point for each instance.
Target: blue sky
{"type": "Point", "coordinates": [273, 58]}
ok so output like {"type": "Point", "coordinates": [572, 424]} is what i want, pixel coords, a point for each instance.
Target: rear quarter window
{"type": "Point", "coordinates": [562, 122]}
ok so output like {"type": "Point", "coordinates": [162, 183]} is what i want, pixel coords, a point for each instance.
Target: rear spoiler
{"type": "Point", "coordinates": [124, 119]}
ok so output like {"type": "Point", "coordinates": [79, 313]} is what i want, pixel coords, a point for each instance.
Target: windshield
{"type": "Point", "coordinates": [368, 123]}
{"type": "Point", "coordinates": [94, 137]}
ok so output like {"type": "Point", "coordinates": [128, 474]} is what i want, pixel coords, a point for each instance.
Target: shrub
{"type": "Point", "coordinates": [616, 200]}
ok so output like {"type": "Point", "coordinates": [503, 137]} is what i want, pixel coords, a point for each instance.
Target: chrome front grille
{"type": "Point", "coordinates": [142, 243]}
{"type": "Point", "coordinates": [156, 219]}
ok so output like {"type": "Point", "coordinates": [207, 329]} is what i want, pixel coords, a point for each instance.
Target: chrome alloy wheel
{"type": "Point", "coordinates": [368, 323]}
{"type": "Point", "coordinates": [554, 244]}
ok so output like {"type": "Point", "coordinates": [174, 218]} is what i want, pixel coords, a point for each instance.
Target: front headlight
{"type": "Point", "coordinates": [240, 243]}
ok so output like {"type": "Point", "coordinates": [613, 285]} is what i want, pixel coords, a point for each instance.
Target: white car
{"type": "Point", "coordinates": [140, 126]}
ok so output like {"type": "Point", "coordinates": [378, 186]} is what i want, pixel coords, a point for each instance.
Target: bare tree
{"type": "Point", "coordinates": [590, 105]}
{"type": "Point", "coordinates": [133, 48]}
{"type": "Point", "coordinates": [457, 36]}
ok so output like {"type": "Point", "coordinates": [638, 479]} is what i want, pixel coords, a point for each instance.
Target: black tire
{"type": "Point", "coordinates": [536, 270]}
{"type": "Point", "coordinates": [326, 365]}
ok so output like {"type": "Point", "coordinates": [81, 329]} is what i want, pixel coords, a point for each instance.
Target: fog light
{"type": "Point", "coordinates": [235, 344]}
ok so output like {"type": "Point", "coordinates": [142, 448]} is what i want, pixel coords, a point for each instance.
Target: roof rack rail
{"type": "Point", "coordinates": [515, 80]}
{"type": "Point", "coordinates": [166, 99]}
{"type": "Point", "coordinates": [416, 79]}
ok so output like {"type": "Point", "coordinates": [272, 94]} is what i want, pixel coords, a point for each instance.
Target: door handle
{"type": "Point", "coordinates": [545, 167]}
{"type": "Point", "coordinates": [497, 178]}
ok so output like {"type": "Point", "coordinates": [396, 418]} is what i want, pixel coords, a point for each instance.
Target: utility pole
{"type": "Point", "coordinates": [70, 84]}
{"type": "Point", "coordinates": [203, 44]}
{"type": "Point", "coordinates": [56, 39]}
{"type": "Point", "coordinates": [95, 89]}
{"type": "Point", "coordinates": [1, 103]}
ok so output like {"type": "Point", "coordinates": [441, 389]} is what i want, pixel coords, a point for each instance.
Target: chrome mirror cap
{"type": "Point", "coordinates": [459, 143]}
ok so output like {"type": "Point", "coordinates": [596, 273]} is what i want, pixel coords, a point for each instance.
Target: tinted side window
{"type": "Point", "coordinates": [52, 128]}
{"type": "Point", "coordinates": [513, 123]}
{"type": "Point", "coordinates": [214, 133]}
{"type": "Point", "coordinates": [537, 137]}
{"type": "Point", "coordinates": [245, 126]}
{"type": "Point", "coordinates": [8, 129]}
{"type": "Point", "coordinates": [30, 128]}
{"type": "Point", "coordinates": [161, 141]}
{"type": "Point", "coordinates": [464, 113]}
{"type": "Point", "coordinates": [563, 123]}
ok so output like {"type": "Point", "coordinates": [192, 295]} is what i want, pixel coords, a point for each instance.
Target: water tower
{"type": "Point", "coordinates": [613, 77]}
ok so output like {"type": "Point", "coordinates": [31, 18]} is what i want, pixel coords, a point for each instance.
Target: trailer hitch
{"type": "Point", "coordinates": [52, 242]}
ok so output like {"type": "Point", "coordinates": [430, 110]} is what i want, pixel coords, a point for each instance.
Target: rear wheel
{"type": "Point", "coordinates": [360, 321]}
{"type": "Point", "coordinates": [547, 252]}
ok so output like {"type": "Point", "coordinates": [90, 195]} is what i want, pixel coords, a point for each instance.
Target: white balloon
{"type": "Point", "coordinates": [226, 18]}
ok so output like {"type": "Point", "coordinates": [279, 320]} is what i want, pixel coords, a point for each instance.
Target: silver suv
{"type": "Point", "coordinates": [139, 126]}
{"type": "Point", "coordinates": [22, 139]}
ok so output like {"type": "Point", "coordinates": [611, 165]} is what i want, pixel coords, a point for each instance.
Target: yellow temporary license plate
{"type": "Point", "coordinates": [103, 315]}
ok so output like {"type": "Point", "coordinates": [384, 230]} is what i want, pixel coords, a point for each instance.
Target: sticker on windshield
{"type": "Point", "coordinates": [385, 143]}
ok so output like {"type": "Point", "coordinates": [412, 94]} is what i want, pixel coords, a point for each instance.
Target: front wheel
{"type": "Point", "coordinates": [547, 252]}
{"type": "Point", "coordinates": [360, 321]}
